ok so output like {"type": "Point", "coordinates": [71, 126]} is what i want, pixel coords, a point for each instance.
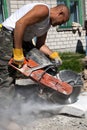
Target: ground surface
{"type": "Point", "coordinates": [21, 109]}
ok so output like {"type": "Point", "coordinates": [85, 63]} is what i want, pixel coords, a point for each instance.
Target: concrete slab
{"type": "Point", "coordinates": [78, 108]}
{"type": "Point", "coordinates": [25, 82]}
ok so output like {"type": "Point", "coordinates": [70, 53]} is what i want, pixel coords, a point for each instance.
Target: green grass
{"type": "Point", "coordinates": [72, 61]}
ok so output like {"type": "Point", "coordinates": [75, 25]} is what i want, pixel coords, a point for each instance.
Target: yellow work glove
{"type": "Point", "coordinates": [55, 56]}
{"type": "Point", "coordinates": [0, 25]}
{"type": "Point", "coordinates": [18, 56]}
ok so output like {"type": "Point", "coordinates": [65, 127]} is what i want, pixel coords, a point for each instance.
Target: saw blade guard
{"type": "Point", "coordinates": [38, 57]}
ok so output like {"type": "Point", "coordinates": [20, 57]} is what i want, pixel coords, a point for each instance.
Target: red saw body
{"type": "Point", "coordinates": [65, 87]}
{"type": "Point", "coordinates": [37, 73]}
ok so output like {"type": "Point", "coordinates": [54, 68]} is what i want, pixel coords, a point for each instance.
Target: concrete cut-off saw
{"type": "Point", "coordinates": [63, 87]}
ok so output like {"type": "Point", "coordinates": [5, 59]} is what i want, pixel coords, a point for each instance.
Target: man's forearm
{"type": "Point", "coordinates": [45, 49]}
{"type": "Point", "coordinates": [18, 36]}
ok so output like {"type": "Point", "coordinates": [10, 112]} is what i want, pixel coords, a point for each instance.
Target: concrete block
{"type": "Point", "coordinates": [78, 108]}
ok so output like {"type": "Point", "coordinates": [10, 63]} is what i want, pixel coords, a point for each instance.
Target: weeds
{"type": "Point", "coordinates": [72, 61]}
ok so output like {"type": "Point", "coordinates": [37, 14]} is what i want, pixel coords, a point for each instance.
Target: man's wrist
{"type": "Point", "coordinates": [54, 55]}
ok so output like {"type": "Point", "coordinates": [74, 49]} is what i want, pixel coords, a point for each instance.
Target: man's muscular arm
{"type": "Point", "coordinates": [46, 50]}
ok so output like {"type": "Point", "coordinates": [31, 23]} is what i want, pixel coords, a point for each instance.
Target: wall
{"type": "Point", "coordinates": [61, 40]}
{"type": "Point", "coordinates": [86, 8]}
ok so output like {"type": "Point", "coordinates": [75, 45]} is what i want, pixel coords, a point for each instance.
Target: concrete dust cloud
{"type": "Point", "coordinates": [24, 106]}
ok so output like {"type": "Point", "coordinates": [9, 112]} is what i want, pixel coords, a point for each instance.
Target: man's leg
{"type": "Point", "coordinates": [7, 74]}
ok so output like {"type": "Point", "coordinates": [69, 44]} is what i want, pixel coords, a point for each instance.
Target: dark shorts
{"type": "Point", "coordinates": [27, 46]}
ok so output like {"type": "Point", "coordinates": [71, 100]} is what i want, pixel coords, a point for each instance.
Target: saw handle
{"type": "Point", "coordinates": [12, 62]}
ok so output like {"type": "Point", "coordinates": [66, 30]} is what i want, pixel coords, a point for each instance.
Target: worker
{"type": "Point", "coordinates": [31, 20]}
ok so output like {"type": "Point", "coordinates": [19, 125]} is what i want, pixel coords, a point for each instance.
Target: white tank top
{"type": "Point", "coordinates": [32, 31]}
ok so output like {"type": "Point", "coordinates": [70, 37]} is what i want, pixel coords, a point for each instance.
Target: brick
{"type": "Point", "coordinates": [14, 6]}
{"type": "Point", "coordinates": [13, 2]}
{"type": "Point", "coordinates": [20, 2]}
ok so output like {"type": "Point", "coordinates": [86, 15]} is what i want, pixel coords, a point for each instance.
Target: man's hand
{"type": "Point", "coordinates": [55, 56]}
{"type": "Point", "coordinates": [18, 57]}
